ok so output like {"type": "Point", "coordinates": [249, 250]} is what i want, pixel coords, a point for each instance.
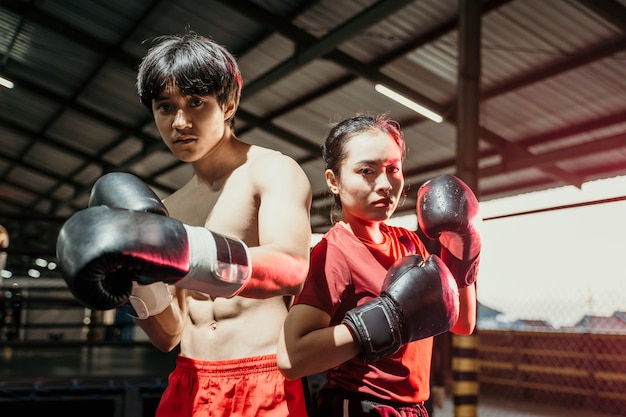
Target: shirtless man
{"type": "Point", "coordinates": [232, 245]}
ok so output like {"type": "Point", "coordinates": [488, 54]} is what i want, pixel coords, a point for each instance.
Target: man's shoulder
{"type": "Point", "coordinates": [265, 163]}
{"type": "Point", "coordinates": [262, 155]}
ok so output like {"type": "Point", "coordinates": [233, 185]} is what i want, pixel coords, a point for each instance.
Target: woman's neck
{"type": "Point", "coordinates": [369, 232]}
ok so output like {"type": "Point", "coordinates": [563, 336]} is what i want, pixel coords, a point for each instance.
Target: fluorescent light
{"type": "Point", "coordinates": [6, 83]}
{"type": "Point", "coordinates": [409, 103]}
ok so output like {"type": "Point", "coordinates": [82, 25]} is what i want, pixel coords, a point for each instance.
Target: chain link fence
{"type": "Point", "coordinates": [552, 315]}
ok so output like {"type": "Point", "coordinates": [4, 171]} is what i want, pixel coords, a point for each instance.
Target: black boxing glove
{"type": "Point", "coordinates": [448, 211]}
{"type": "Point", "coordinates": [125, 190]}
{"type": "Point", "coordinates": [419, 299]}
{"type": "Point", "coordinates": [102, 250]}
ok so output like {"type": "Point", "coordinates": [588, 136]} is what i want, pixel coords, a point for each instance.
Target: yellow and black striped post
{"type": "Point", "coordinates": [465, 385]}
{"type": "Point", "coordinates": [465, 348]}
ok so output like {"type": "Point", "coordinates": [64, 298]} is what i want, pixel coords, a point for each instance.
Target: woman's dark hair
{"type": "Point", "coordinates": [334, 146]}
{"type": "Point", "coordinates": [195, 64]}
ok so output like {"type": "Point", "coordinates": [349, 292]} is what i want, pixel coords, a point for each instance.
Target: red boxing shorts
{"type": "Point", "coordinates": [240, 387]}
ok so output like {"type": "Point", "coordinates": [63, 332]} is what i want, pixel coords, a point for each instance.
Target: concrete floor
{"type": "Point", "coordinates": [492, 407]}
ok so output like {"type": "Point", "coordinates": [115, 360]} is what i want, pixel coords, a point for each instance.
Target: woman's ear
{"type": "Point", "coordinates": [331, 181]}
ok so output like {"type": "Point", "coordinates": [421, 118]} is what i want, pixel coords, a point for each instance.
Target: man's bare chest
{"type": "Point", "coordinates": [230, 211]}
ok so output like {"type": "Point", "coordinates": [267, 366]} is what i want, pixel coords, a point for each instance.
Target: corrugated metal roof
{"type": "Point", "coordinates": [552, 109]}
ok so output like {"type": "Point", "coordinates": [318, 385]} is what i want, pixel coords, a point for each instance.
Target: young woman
{"type": "Point", "coordinates": [374, 297]}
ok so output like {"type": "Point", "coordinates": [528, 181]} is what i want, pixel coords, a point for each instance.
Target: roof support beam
{"type": "Point", "coordinates": [468, 93]}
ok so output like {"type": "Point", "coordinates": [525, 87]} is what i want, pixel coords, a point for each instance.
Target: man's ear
{"type": "Point", "coordinates": [331, 181]}
{"type": "Point", "coordinates": [229, 110]}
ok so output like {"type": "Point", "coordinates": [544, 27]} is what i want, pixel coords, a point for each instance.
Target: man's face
{"type": "Point", "coordinates": [189, 125]}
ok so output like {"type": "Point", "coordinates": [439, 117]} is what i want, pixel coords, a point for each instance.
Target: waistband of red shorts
{"type": "Point", "coordinates": [230, 367]}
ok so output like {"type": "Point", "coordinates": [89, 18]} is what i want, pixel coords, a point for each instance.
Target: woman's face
{"type": "Point", "coordinates": [371, 179]}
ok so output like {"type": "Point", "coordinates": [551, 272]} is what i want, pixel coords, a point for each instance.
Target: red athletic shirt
{"type": "Point", "coordinates": [345, 272]}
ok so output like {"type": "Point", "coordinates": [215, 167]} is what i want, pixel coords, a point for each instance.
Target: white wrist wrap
{"type": "Point", "coordinates": [149, 300]}
{"type": "Point", "coordinates": [218, 265]}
